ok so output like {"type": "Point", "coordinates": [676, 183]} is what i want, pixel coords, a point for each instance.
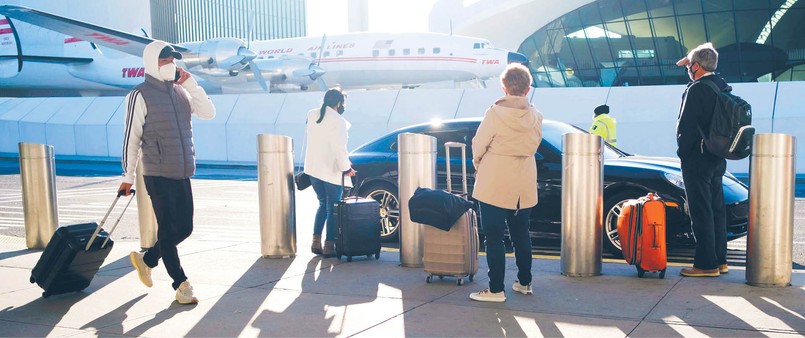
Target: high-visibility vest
{"type": "Point", "coordinates": [604, 126]}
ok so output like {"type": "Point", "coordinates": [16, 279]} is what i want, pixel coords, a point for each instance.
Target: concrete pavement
{"type": "Point", "coordinates": [243, 294]}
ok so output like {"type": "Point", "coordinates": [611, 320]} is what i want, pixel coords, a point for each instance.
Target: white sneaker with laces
{"type": "Point", "coordinates": [184, 294]}
{"type": "Point", "coordinates": [487, 295]}
{"type": "Point", "coordinates": [524, 289]}
{"type": "Point", "coordinates": [143, 271]}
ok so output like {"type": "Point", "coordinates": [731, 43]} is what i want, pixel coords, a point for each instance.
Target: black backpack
{"type": "Point", "coordinates": [731, 131]}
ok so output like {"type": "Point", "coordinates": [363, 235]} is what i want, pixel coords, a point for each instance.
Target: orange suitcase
{"type": "Point", "coordinates": [641, 230]}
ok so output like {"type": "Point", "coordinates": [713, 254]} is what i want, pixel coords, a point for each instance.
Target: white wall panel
{"type": "Point", "coordinates": [368, 112]}
{"type": "Point", "coordinates": [60, 128]}
{"type": "Point", "coordinates": [209, 136]}
{"type": "Point", "coordinates": [418, 106]}
{"type": "Point", "coordinates": [114, 131]}
{"type": "Point", "coordinates": [90, 128]}
{"type": "Point", "coordinates": [253, 114]}
{"type": "Point", "coordinates": [32, 125]}
{"type": "Point", "coordinates": [789, 117]}
{"type": "Point", "coordinates": [475, 101]}
{"type": "Point", "coordinates": [291, 120]}
{"type": "Point", "coordinates": [10, 122]}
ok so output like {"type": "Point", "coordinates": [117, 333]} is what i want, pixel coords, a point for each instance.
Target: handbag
{"type": "Point", "coordinates": [302, 180]}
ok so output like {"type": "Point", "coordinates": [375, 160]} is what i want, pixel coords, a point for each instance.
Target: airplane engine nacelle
{"type": "Point", "coordinates": [220, 55]}
{"type": "Point", "coordinates": [289, 70]}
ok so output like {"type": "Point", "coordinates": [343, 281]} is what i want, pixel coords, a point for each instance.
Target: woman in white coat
{"type": "Point", "coordinates": [326, 161]}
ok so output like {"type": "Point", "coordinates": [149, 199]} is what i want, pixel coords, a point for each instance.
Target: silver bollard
{"type": "Point", "coordinates": [582, 204]}
{"type": "Point", "coordinates": [416, 168]}
{"type": "Point", "coordinates": [769, 243]}
{"type": "Point", "coordinates": [145, 212]}
{"type": "Point", "coordinates": [38, 176]}
{"type": "Point", "coordinates": [277, 196]}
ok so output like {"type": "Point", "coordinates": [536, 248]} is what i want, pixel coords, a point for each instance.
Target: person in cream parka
{"type": "Point", "coordinates": [506, 180]}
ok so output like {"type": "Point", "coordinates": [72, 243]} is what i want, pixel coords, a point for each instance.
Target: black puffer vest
{"type": "Point", "coordinates": [167, 142]}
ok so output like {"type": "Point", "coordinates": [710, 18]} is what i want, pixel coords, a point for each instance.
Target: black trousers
{"type": "Point", "coordinates": [173, 206]}
{"type": "Point", "coordinates": [705, 193]}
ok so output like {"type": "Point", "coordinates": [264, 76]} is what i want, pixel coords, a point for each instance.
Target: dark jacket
{"type": "Point", "coordinates": [696, 111]}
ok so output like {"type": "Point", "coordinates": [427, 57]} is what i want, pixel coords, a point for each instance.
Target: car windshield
{"type": "Point", "coordinates": [552, 132]}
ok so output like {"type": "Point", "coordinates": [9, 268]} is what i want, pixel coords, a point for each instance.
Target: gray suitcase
{"type": "Point", "coordinates": [455, 252]}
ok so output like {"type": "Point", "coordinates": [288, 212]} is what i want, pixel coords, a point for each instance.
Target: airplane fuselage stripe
{"type": "Point", "coordinates": [5, 31]}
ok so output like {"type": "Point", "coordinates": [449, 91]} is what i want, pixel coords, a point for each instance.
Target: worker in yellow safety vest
{"type": "Point", "coordinates": [604, 125]}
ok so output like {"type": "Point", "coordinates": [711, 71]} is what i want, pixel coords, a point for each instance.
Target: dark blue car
{"type": "Point", "coordinates": [625, 177]}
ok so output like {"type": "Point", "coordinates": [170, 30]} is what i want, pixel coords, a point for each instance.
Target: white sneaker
{"type": "Point", "coordinates": [486, 295]}
{"type": "Point", "coordinates": [184, 294]}
{"type": "Point", "coordinates": [143, 271]}
{"type": "Point", "coordinates": [524, 289]}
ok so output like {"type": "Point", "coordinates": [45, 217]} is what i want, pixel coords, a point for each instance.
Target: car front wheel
{"type": "Point", "coordinates": [612, 208]}
{"type": "Point", "coordinates": [389, 210]}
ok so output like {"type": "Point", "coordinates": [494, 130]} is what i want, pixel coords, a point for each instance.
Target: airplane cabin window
{"type": "Point", "coordinates": [476, 46]}
{"type": "Point", "coordinates": [420, 51]}
{"type": "Point", "coordinates": [391, 52]}
{"type": "Point", "coordinates": [313, 55]}
{"type": "Point", "coordinates": [375, 53]}
{"type": "Point", "coordinates": [436, 50]}
{"type": "Point", "coordinates": [326, 54]}
{"type": "Point", "coordinates": [406, 51]}
{"type": "Point", "coordinates": [339, 53]}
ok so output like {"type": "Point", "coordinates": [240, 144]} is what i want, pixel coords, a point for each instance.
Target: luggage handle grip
{"type": "Point", "coordinates": [462, 146]}
{"type": "Point", "coordinates": [103, 221]}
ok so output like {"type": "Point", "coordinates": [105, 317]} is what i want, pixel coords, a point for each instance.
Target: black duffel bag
{"type": "Point", "coordinates": [437, 208]}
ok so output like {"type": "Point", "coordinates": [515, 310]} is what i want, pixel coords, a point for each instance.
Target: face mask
{"type": "Point", "coordinates": [168, 72]}
{"type": "Point", "coordinates": [340, 109]}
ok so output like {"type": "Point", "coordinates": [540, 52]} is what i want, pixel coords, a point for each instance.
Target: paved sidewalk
{"type": "Point", "coordinates": [243, 294]}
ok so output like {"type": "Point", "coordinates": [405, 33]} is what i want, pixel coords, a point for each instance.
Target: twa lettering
{"type": "Point", "coordinates": [107, 38]}
{"type": "Point", "coordinates": [490, 62]}
{"type": "Point", "coordinates": [133, 72]}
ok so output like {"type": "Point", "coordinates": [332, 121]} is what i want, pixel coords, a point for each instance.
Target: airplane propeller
{"type": "Point", "coordinates": [258, 74]}
{"type": "Point", "coordinates": [318, 71]}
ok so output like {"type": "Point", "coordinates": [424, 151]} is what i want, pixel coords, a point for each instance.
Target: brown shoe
{"type": "Point", "coordinates": [696, 272]}
{"type": "Point", "coordinates": [329, 249]}
{"type": "Point", "coordinates": [723, 268]}
{"type": "Point", "coordinates": [316, 246]}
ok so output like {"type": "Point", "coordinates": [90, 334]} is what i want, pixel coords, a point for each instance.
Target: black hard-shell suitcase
{"type": "Point", "coordinates": [358, 228]}
{"type": "Point", "coordinates": [73, 256]}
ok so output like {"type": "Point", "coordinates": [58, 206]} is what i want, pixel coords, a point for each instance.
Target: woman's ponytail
{"type": "Point", "coordinates": [331, 99]}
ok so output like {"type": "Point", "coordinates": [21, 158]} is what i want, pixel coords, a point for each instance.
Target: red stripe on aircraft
{"type": "Point", "coordinates": [71, 40]}
{"type": "Point", "coordinates": [3, 22]}
{"type": "Point", "coordinates": [5, 31]}
{"type": "Point", "coordinates": [455, 59]}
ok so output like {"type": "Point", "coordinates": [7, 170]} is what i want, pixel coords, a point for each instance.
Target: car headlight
{"type": "Point", "coordinates": [675, 179]}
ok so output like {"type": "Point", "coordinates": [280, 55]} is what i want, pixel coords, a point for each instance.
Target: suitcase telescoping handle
{"type": "Point", "coordinates": [98, 229]}
{"type": "Point", "coordinates": [463, 147]}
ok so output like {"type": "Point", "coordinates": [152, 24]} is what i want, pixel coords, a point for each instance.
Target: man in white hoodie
{"type": "Point", "coordinates": [158, 127]}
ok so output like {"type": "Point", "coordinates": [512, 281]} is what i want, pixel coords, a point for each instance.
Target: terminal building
{"type": "Point", "coordinates": [196, 20]}
{"type": "Point", "coordinates": [607, 43]}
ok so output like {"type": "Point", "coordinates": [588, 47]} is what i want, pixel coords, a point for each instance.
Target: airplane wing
{"type": "Point", "coordinates": [48, 59]}
{"type": "Point", "coordinates": [122, 41]}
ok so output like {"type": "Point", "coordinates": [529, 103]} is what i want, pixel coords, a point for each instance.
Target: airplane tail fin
{"type": "Point", "coordinates": [10, 61]}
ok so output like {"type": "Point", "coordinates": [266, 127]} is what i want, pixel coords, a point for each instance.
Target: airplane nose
{"type": "Point", "coordinates": [519, 58]}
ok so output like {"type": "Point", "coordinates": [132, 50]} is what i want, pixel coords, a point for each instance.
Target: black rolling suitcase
{"type": "Point", "coordinates": [358, 227]}
{"type": "Point", "coordinates": [73, 256]}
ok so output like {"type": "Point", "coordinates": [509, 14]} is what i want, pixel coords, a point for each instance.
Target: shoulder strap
{"type": "Point", "coordinates": [718, 92]}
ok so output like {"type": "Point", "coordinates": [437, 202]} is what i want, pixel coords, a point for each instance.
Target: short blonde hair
{"type": "Point", "coordinates": [516, 79]}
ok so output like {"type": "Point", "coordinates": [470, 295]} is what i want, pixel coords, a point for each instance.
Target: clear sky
{"type": "Point", "coordinates": [393, 16]}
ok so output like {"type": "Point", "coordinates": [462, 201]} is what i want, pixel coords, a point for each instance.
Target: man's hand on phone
{"type": "Point", "coordinates": [125, 188]}
{"type": "Point", "coordinates": [183, 75]}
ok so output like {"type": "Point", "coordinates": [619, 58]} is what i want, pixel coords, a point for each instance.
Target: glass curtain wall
{"type": "Point", "coordinates": [638, 42]}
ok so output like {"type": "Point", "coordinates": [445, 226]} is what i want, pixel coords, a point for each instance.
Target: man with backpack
{"type": "Point", "coordinates": [702, 171]}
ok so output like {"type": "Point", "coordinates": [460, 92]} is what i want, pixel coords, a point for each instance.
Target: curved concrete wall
{"type": "Point", "coordinates": [93, 127]}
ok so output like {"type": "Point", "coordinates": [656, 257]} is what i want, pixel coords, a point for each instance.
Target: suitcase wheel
{"type": "Point", "coordinates": [349, 258]}
{"type": "Point", "coordinates": [662, 274]}
{"type": "Point", "coordinates": [428, 279]}
{"type": "Point", "coordinates": [377, 255]}
{"type": "Point", "coordinates": [460, 281]}
{"type": "Point", "coordinates": [472, 276]}
{"type": "Point", "coordinates": [640, 272]}
{"type": "Point", "coordinates": [32, 279]}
